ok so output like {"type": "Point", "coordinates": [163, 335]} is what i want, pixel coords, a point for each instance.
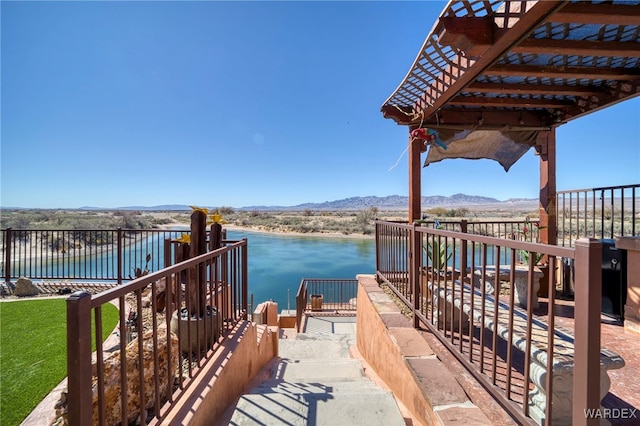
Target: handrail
{"type": "Point", "coordinates": [432, 270]}
{"type": "Point", "coordinates": [161, 338]}
{"type": "Point", "coordinates": [604, 213]}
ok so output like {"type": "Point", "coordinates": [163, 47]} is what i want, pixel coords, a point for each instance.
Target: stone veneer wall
{"type": "Point", "coordinates": [403, 359]}
{"type": "Point", "coordinates": [245, 352]}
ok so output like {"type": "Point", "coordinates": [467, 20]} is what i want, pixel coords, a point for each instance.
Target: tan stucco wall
{"type": "Point", "coordinates": [247, 350]}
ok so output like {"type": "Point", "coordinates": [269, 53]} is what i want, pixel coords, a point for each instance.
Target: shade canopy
{"type": "Point", "coordinates": [492, 74]}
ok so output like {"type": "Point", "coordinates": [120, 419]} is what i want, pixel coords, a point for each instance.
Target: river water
{"type": "Point", "coordinates": [277, 263]}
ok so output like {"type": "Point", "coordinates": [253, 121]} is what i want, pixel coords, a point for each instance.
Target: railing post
{"type": "Point", "coordinates": [167, 253]}
{"type": "Point", "coordinates": [463, 250]}
{"type": "Point", "coordinates": [79, 359]}
{"type": "Point", "coordinates": [377, 225]}
{"type": "Point", "coordinates": [7, 258]}
{"type": "Point", "coordinates": [245, 278]}
{"type": "Point", "coordinates": [120, 252]}
{"type": "Point", "coordinates": [588, 300]}
{"type": "Point", "coordinates": [414, 273]}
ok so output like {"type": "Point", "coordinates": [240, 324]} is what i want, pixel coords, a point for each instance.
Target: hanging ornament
{"type": "Point", "coordinates": [429, 135]}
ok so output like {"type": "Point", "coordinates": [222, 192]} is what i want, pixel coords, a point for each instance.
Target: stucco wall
{"type": "Point", "coordinates": [403, 359]}
{"type": "Point", "coordinates": [240, 358]}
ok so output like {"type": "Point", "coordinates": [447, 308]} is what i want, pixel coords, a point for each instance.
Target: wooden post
{"type": "Point", "coordinates": [588, 302]}
{"type": "Point", "coordinates": [415, 168]}
{"type": "Point", "coordinates": [546, 148]}
{"type": "Point", "coordinates": [79, 358]}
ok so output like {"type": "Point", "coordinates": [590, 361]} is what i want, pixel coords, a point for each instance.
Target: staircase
{"type": "Point", "coordinates": [315, 382]}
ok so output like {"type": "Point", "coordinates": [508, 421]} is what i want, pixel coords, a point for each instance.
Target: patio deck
{"type": "Point", "coordinates": [625, 382]}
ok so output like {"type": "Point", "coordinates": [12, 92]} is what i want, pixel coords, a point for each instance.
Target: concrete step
{"type": "Point", "coordinates": [307, 370]}
{"type": "Point", "coordinates": [323, 408]}
{"type": "Point", "coordinates": [316, 382]}
{"type": "Point", "coordinates": [308, 346]}
{"type": "Point", "coordinates": [336, 386]}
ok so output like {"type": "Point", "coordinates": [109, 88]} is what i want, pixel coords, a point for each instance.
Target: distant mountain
{"type": "Point", "coordinates": [391, 202]}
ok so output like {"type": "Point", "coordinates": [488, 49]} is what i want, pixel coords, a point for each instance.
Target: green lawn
{"type": "Point", "coordinates": [33, 357]}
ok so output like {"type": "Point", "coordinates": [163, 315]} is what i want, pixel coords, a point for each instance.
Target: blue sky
{"type": "Point", "coordinates": [241, 103]}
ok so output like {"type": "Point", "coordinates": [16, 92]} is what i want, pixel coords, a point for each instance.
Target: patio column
{"type": "Point", "coordinates": [415, 168]}
{"type": "Point", "coordinates": [546, 149]}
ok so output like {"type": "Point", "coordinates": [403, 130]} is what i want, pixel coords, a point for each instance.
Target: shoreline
{"type": "Point", "coordinates": [261, 230]}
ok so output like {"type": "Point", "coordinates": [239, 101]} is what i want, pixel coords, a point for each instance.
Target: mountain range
{"type": "Point", "coordinates": [390, 202]}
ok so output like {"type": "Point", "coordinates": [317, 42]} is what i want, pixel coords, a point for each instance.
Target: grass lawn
{"type": "Point", "coordinates": [33, 352]}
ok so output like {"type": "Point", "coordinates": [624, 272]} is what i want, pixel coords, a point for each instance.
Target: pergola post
{"type": "Point", "coordinates": [546, 148]}
{"type": "Point", "coordinates": [415, 169]}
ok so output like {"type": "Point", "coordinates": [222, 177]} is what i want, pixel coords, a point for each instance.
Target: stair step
{"type": "Point", "coordinates": [310, 347]}
{"type": "Point", "coordinates": [361, 386]}
{"type": "Point", "coordinates": [317, 409]}
{"type": "Point", "coordinates": [316, 369]}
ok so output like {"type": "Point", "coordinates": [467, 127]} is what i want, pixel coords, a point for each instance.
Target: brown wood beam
{"type": "Point", "coordinates": [563, 72]}
{"type": "Point", "coordinates": [587, 13]}
{"type": "Point", "coordinates": [546, 148]}
{"type": "Point", "coordinates": [546, 46]}
{"type": "Point", "coordinates": [493, 119]}
{"type": "Point", "coordinates": [415, 170]}
{"type": "Point", "coordinates": [509, 102]}
{"type": "Point", "coordinates": [618, 93]}
{"type": "Point", "coordinates": [472, 35]}
{"type": "Point", "coordinates": [464, 71]}
{"type": "Point", "coordinates": [533, 89]}
{"type": "Point", "coordinates": [399, 114]}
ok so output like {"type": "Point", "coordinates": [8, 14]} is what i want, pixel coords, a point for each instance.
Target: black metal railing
{"type": "Point", "coordinates": [82, 254]}
{"type": "Point", "coordinates": [474, 292]}
{"type": "Point", "coordinates": [164, 353]}
{"type": "Point", "coordinates": [325, 295]}
{"type": "Point", "coordinates": [605, 212]}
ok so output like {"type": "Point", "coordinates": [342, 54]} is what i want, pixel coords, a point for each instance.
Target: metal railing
{"type": "Point", "coordinates": [328, 295]}
{"type": "Point", "coordinates": [605, 212]}
{"type": "Point", "coordinates": [81, 254]}
{"type": "Point", "coordinates": [167, 352]}
{"type": "Point", "coordinates": [466, 289]}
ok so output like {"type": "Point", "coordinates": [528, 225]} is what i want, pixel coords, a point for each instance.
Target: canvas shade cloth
{"type": "Point", "coordinates": [505, 147]}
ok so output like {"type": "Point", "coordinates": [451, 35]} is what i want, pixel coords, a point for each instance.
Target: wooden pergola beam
{"type": "Point", "coordinates": [546, 46]}
{"type": "Point", "coordinates": [533, 89]}
{"type": "Point", "coordinates": [591, 73]}
{"type": "Point", "coordinates": [496, 119]}
{"type": "Point", "coordinates": [509, 102]}
{"type": "Point", "coordinates": [609, 14]}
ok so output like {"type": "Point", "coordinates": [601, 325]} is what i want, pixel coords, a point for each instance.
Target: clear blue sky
{"type": "Point", "coordinates": [241, 103]}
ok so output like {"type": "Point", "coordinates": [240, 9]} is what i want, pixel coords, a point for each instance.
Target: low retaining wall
{"type": "Point", "coordinates": [246, 351]}
{"type": "Point", "coordinates": [403, 359]}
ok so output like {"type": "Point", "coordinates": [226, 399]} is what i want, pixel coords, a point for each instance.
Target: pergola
{"type": "Point", "coordinates": [495, 78]}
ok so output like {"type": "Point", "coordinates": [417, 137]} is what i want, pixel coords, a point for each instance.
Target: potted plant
{"type": "Point", "coordinates": [193, 320]}
{"type": "Point", "coordinates": [538, 262]}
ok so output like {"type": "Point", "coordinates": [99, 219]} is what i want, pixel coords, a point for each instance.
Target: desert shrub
{"type": "Point", "coordinates": [436, 211]}
{"type": "Point", "coordinates": [225, 211]}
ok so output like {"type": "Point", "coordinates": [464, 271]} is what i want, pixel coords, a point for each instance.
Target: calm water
{"type": "Point", "coordinates": [277, 263]}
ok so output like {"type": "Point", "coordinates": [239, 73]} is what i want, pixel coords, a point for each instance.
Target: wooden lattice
{"type": "Point", "coordinates": [544, 63]}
